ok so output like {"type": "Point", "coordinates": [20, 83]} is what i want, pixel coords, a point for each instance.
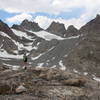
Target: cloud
{"type": "Point", "coordinates": [53, 7]}
{"type": "Point", "coordinates": [19, 18]}
{"type": "Point", "coordinates": [44, 21]}
{"type": "Point", "coordinates": [47, 6]}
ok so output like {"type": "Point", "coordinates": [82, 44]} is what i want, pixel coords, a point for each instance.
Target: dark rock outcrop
{"type": "Point", "coordinates": [86, 56]}
{"type": "Point", "coordinates": [28, 25]}
{"type": "Point", "coordinates": [71, 31]}
{"type": "Point", "coordinates": [57, 28]}
{"type": "Point", "coordinates": [5, 28]}
{"type": "Point", "coordinates": [92, 26]}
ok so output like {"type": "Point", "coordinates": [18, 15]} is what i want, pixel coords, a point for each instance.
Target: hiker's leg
{"type": "Point", "coordinates": [25, 65]}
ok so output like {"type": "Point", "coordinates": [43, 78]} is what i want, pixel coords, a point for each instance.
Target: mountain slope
{"type": "Point", "coordinates": [57, 28]}
{"type": "Point", "coordinates": [86, 57]}
{"type": "Point", "coordinates": [71, 31]}
{"type": "Point", "coordinates": [43, 48]}
{"type": "Point", "coordinates": [27, 25]}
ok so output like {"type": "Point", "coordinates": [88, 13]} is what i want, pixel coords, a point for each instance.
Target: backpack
{"type": "Point", "coordinates": [25, 58]}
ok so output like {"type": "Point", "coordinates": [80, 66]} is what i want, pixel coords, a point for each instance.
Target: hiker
{"type": "Point", "coordinates": [25, 61]}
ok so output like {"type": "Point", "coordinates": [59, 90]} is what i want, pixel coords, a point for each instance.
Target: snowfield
{"type": "Point", "coordinates": [22, 34]}
{"type": "Point", "coordinates": [49, 36]}
{"type": "Point", "coordinates": [46, 35]}
{"type": "Point", "coordinates": [4, 54]}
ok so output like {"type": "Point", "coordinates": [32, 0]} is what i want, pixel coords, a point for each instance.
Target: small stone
{"type": "Point", "coordinates": [20, 89]}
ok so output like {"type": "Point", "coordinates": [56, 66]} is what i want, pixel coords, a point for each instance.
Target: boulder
{"type": "Point", "coordinates": [21, 89]}
{"type": "Point", "coordinates": [4, 88]}
{"type": "Point", "coordinates": [75, 82]}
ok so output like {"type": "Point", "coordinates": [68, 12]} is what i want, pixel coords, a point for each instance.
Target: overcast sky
{"type": "Point", "coordinates": [69, 12]}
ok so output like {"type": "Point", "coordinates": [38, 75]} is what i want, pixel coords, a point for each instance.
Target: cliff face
{"type": "Point", "coordinates": [71, 31]}
{"type": "Point", "coordinates": [92, 27]}
{"type": "Point", "coordinates": [86, 56]}
{"type": "Point", "coordinates": [57, 28]}
{"type": "Point", "coordinates": [28, 25]}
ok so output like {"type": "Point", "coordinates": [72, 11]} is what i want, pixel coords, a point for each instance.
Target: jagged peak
{"type": "Point", "coordinates": [28, 25]}
{"type": "Point", "coordinates": [26, 21]}
{"type": "Point", "coordinates": [72, 27]}
{"type": "Point", "coordinates": [56, 23]}
{"type": "Point", "coordinates": [97, 16]}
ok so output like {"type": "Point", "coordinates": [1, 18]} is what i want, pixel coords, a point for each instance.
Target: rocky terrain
{"type": "Point", "coordinates": [43, 48]}
{"type": "Point", "coordinates": [86, 56]}
{"type": "Point", "coordinates": [57, 28]}
{"type": "Point", "coordinates": [63, 64]}
{"type": "Point", "coordinates": [47, 84]}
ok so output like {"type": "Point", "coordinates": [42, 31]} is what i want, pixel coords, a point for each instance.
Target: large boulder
{"type": "Point", "coordinates": [4, 88]}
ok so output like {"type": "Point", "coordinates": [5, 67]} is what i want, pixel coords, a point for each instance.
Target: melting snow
{"type": "Point", "coordinates": [85, 73]}
{"type": "Point", "coordinates": [4, 34]}
{"type": "Point", "coordinates": [62, 66]}
{"type": "Point", "coordinates": [34, 58]}
{"type": "Point", "coordinates": [5, 59]}
{"type": "Point", "coordinates": [7, 65]}
{"type": "Point", "coordinates": [40, 65]}
{"type": "Point", "coordinates": [47, 36]}
{"type": "Point", "coordinates": [54, 66]}
{"type": "Point", "coordinates": [4, 54]}
{"type": "Point", "coordinates": [14, 67]}
{"type": "Point", "coordinates": [22, 34]}
{"type": "Point", "coordinates": [35, 48]}
{"type": "Point", "coordinates": [73, 37]}
{"type": "Point", "coordinates": [96, 78]}
{"type": "Point", "coordinates": [76, 71]}
{"type": "Point", "coordinates": [19, 45]}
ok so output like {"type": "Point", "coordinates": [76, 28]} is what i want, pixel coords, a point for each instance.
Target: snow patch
{"type": "Point", "coordinates": [96, 78]}
{"type": "Point", "coordinates": [7, 65]}
{"type": "Point", "coordinates": [4, 34]}
{"type": "Point", "coordinates": [40, 65]}
{"type": "Point", "coordinates": [62, 66]}
{"type": "Point", "coordinates": [19, 45]}
{"type": "Point", "coordinates": [22, 34]}
{"type": "Point", "coordinates": [46, 35]}
{"type": "Point", "coordinates": [5, 59]}
{"type": "Point", "coordinates": [35, 48]}
{"type": "Point", "coordinates": [4, 54]}
{"type": "Point", "coordinates": [53, 58]}
{"type": "Point", "coordinates": [66, 56]}
{"type": "Point", "coordinates": [54, 66]}
{"type": "Point", "coordinates": [15, 67]}
{"type": "Point", "coordinates": [85, 73]}
{"type": "Point", "coordinates": [34, 58]}
{"type": "Point", "coordinates": [73, 37]}
{"type": "Point", "coordinates": [74, 70]}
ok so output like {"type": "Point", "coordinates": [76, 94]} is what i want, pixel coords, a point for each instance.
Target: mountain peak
{"type": "Point", "coordinates": [27, 22]}
{"type": "Point", "coordinates": [28, 25]}
{"type": "Point", "coordinates": [92, 27]}
{"type": "Point", "coordinates": [57, 28]}
{"type": "Point", "coordinates": [57, 24]}
{"type": "Point", "coordinates": [71, 27]}
{"type": "Point", "coordinates": [97, 16]}
{"type": "Point", "coordinates": [71, 31]}
{"type": "Point", "coordinates": [4, 27]}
